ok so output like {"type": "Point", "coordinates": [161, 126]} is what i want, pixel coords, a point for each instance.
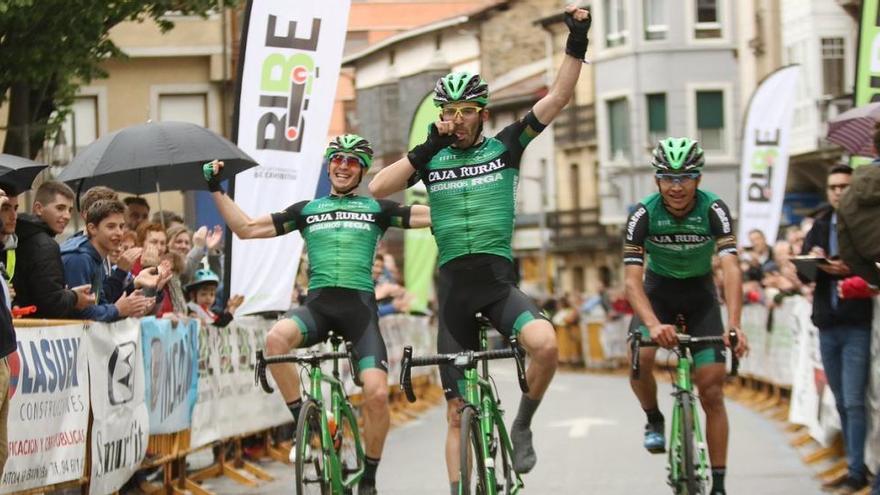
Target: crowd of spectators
{"type": "Point", "coordinates": [121, 264]}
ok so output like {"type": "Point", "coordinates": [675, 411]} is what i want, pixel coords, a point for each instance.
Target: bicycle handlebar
{"type": "Point", "coordinates": [312, 358]}
{"type": "Point", "coordinates": [684, 341]}
{"type": "Point", "coordinates": [461, 359]}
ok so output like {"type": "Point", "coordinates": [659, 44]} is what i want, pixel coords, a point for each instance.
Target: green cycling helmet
{"type": "Point", "coordinates": [678, 155]}
{"type": "Point", "coordinates": [354, 144]}
{"type": "Point", "coordinates": [202, 277]}
{"type": "Point", "coordinates": [461, 86]}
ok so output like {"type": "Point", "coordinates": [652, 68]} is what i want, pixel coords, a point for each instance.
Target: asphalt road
{"type": "Point", "coordinates": [588, 438]}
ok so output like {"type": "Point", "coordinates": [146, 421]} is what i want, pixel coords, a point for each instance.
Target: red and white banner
{"type": "Point", "coordinates": [48, 409]}
{"type": "Point", "coordinates": [290, 58]}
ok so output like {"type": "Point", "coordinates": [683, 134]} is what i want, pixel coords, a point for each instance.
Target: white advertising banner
{"type": "Point", "coordinates": [229, 402]}
{"type": "Point", "coordinates": [290, 61]}
{"type": "Point", "coordinates": [48, 409]}
{"type": "Point", "coordinates": [765, 153]}
{"type": "Point", "coordinates": [120, 424]}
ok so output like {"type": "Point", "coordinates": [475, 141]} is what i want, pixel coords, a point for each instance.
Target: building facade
{"type": "Point", "coordinates": [664, 68]}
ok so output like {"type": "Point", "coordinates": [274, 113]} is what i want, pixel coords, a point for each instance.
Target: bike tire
{"type": "Point", "coordinates": [472, 467]}
{"type": "Point", "coordinates": [348, 444]}
{"type": "Point", "coordinates": [688, 468]}
{"type": "Point", "coordinates": [310, 455]}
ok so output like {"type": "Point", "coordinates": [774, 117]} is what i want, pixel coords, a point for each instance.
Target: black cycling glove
{"type": "Point", "coordinates": [421, 154]}
{"type": "Point", "coordinates": [210, 178]}
{"type": "Point", "coordinates": [577, 42]}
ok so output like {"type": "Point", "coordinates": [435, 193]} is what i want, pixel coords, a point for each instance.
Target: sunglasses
{"type": "Point", "coordinates": [348, 160]}
{"type": "Point", "coordinates": [677, 178]}
{"type": "Point", "coordinates": [450, 113]}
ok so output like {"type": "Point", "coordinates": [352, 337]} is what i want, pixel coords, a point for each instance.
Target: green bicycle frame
{"type": "Point", "coordinates": [684, 385]}
{"type": "Point", "coordinates": [340, 408]}
{"type": "Point", "coordinates": [480, 394]}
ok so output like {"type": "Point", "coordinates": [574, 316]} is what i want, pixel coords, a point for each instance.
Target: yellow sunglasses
{"type": "Point", "coordinates": [450, 113]}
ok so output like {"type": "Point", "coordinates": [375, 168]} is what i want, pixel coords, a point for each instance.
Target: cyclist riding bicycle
{"type": "Point", "coordinates": [681, 228]}
{"type": "Point", "coordinates": [471, 182]}
{"type": "Point", "coordinates": [341, 232]}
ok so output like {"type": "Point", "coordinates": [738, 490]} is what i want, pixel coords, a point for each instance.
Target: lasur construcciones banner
{"type": "Point", "coordinates": [171, 372]}
{"type": "Point", "coordinates": [290, 58]}
{"type": "Point", "coordinates": [48, 408]}
{"type": "Point", "coordinates": [120, 424]}
{"type": "Point", "coordinates": [765, 153]}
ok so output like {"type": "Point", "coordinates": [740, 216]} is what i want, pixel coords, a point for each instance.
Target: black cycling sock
{"type": "Point", "coordinates": [718, 473]}
{"type": "Point", "coordinates": [295, 406]}
{"type": "Point", "coordinates": [654, 416]}
{"type": "Point", "coordinates": [453, 487]}
{"type": "Point", "coordinates": [370, 467]}
{"type": "Point", "coordinates": [527, 408]}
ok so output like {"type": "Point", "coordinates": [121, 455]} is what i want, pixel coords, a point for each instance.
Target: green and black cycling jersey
{"type": "Point", "coordinates": [472, 192]}
{"type": "Point", "coordinates": [341, 234]}
{"type": "Point", "coordinates": [679, 248]}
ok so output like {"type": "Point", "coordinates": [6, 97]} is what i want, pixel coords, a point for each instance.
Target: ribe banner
{"type": "Point", "coordinates": [765, 153]}
{"type": "Point", "coordinates": [290, 58]}
{"type": "Point", "coordinates": [48, 408]}
{"type": "Point", "coordinates": [171, 372]}
{"type": "Point", "coordinates": [120, 424]}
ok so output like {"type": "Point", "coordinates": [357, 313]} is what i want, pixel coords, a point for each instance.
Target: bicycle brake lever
{"type": "Point", "coordinates": [260, 373]}
{"type": "Point", "coordinates": [519, 357]}
{"type": "Point", "coordinates": [405, 381]}
{"type": "Point", "coordinates": [352, 361]}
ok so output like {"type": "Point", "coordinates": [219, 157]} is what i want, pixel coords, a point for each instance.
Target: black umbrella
{"type": "Point", "coordinates": [155, 156]}
{"type": "Point", "coordinates": [18, 172]}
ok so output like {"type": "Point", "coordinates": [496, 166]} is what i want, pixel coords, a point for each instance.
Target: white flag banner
{"type": "Point", "coordinates": [121, 424]}
{"type": "Point", "coordinates": [765, 153]}
{"type": "Point", "coordinates": [290, 63]}
{"type": "Point", "coordinates": [48, 408]}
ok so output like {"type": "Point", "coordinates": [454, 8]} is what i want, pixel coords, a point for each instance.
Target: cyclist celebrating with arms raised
{"type": "Point", "coordinates": [471, 182]}
{"type": "Point", "coordinates": [680, 228]}
{"type": "Point", "coordinates": [341, 232]}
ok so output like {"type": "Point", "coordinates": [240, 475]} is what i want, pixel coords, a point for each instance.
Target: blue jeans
{"type": "Point", "coordinates": [846, 353]}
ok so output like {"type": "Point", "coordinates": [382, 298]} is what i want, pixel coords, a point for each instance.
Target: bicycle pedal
{"type": "Point", "coordinates": [657, 450]}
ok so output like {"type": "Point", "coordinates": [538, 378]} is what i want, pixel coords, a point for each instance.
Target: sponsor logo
{"type": "Point", "coordinates": [120, 373]}
{"type": "Point", "coordinates": [341, 215]}
{"type": "Point", "coordinates": [633, 221]}
{"type": "Point", "coordinates": [761, 163]}
{"type": "Point", "coordinates": [722, 216]}
{"type": "Point", "coordinates": [44, 366]}
{"type": "Point", "coordinates": [120, 452]}
{"type": "Point", "coordinates": [680, 239]}
{"type": "Point", "coordinates": [286, 84]}
{"type": "Point", "coordinates": [466, 171]}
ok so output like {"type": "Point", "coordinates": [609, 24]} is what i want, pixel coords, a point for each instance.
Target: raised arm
{"type": "Point", "coordinates": [392, 178]}
{"type": "Point", "coordinates": [395, 177]}
{"type": "Point", "coordinates": [548, 107]}
{"type": "Point", "coordinates": [239, 222]}
{"type": "Point", "coordinates": [419, 217]}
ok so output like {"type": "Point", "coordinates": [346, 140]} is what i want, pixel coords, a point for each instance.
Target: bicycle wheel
{"type": "Point", "coordinates": [310, 458]}
{"type": "Point", "coordinates": [348, 444]}
{"type": "Point", "coordinates": [688, 467]}
{"type": "Point", "coordinates": [472, 465]}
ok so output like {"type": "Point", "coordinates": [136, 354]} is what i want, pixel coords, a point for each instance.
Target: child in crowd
{"type": "Point", "coordinates": [201, 294]}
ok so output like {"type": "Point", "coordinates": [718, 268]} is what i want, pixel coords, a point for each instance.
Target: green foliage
{"type": "Point", "coordinates": [50, 47]}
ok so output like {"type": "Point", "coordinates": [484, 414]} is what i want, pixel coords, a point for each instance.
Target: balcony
{"type": "Point", "coordinates": [575, 126]}
{"type": "Point", "coordinates": [578, 230]}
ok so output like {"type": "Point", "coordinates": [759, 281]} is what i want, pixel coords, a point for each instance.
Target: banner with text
{"type": "Point", "coordinates": [170, 372]}
{"type": "Point", "coordinates": [120, 424]}
{"type": "Point", "coordinates": [48, 408]}
{"type": "Point", "coordinates": [289, 67]}
{"type": "Point", "coordinates": [765, 154]}
{"type": "Point", "coordinates": [229, 403]}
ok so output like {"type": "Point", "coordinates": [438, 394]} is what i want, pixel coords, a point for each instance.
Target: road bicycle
{"type": "Point", "coordinates": [486, 450]}
{"type": "Point", "coordinates": [688, 461]}
{"type": "Point", "coordinates": [329, 455]}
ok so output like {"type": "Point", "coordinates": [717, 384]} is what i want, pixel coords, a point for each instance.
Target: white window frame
{"type": "Point", "coordinates": [653, 28]}
{"type": "Point", "coordinates": [723, 23]}
{"type": "Point", "coordinates": [726, 88]}
{"type": "Point", "coordinates": [620, 33]}
{"type": "Point", "coordinates": [212, 101]}
{"type": "Point", "coordinates": [603, 130]}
